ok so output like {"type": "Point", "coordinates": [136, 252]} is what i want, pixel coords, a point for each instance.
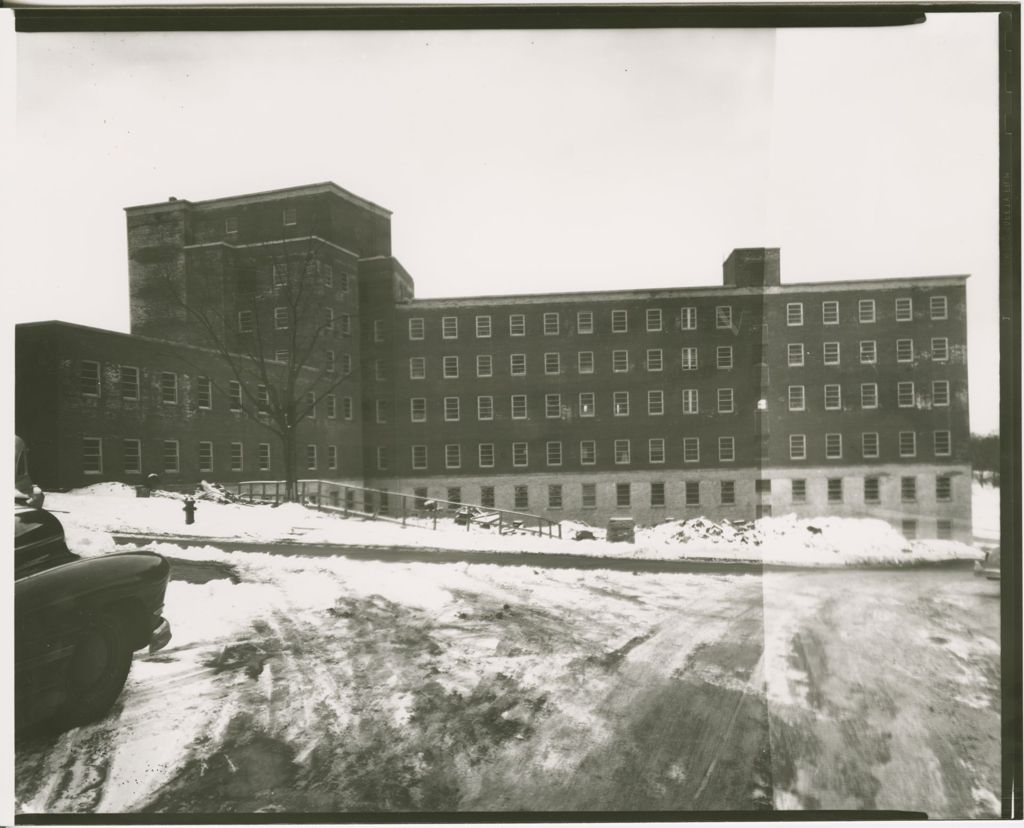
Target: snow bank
{"type": "Point", "coordinates": [94, 513]}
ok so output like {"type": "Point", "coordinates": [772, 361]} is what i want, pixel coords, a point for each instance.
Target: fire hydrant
{"type": "Point", "coordinates": [190, 511]}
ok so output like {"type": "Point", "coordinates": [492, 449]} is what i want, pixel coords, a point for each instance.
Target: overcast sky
{"type": "Point", "coordinates": [531, 161]}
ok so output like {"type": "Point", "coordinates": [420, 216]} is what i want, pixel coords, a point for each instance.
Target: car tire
{"type": "Point", "coordinates": [97, 669]}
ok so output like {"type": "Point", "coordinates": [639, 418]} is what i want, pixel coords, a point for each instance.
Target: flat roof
{"type": "Point", "coordinates": [272, 195]}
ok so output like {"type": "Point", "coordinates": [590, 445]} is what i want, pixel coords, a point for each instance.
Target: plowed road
{"type": "Point", "coordinates": [325, 685]}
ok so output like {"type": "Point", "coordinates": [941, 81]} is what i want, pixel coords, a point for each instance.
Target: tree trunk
{"type": "Point", "coordinates": [288, 445]}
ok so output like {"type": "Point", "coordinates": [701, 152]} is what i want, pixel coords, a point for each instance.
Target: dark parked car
{"type": "Point", "coordinates": [77, 622]}
{"type": "Point", "coordinates": [990, 567]}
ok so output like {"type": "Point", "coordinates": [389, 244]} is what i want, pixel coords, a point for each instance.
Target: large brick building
{"type": "Point", "coordinates": [738, 400]}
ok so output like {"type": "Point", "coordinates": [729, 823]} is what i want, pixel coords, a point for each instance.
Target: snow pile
{"type": "Point", "coordinates": [985, 511]}
{"type": "Point", "coordinates": [702, 531]}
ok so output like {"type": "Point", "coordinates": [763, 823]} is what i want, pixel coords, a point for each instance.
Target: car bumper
{"type": "Point", "coordinates": [161, 635]}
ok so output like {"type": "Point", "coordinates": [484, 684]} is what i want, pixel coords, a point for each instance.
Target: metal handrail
{"type": "Point", "coordinates": [343, 498]}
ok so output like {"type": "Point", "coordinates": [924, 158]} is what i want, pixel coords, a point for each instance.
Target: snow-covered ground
{"type": "Point", "coordinates": [89, 513]}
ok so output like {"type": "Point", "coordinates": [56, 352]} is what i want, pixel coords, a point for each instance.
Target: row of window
{"type": "Point", "coordinates": [868, 352]}
{"type": "Point", "coordinates": [89, 385]}
{"type": "Point", "coordinates": [170, 456]}
{"type": "Point", "coordinates": [624, 494]}
{"type": "Point", "coordinates": [282, 320]}
{"type": "Point", "coordinates": [906, 395]}
{"type": "Point", "coordinates": [551, 323]}
{"type": "Point", "coordinates": [554, 453]}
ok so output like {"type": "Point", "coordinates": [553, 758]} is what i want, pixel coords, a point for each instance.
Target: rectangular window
{"type": "Point", "coordinates": [263, 456]}
{"type": "Point", "coordinates": [452, 456]}
{"type": "Point", "coordinates": [584, 322]}
{"type": "Point", "coordinates": [449, 327]}
{"type": "Point", "coordinates": [689, 359]}
{"type": "Point", "coordinates": [332, 458]}
{"type": "Point", "coordinates": [940, 349]}
{"type": "Point", "coordinates": [379, 370]}
{"type": "Point", "coordinates": [346, 364]}
{"type": "Point", "coordinates": [657, 494]}
{"type": "Point", "coordinates": [588, 493]}
{"type": "Point", "coordinates": [621, 451]}
{"type": "Point", "coordinates": [866, 310]}
{"type": "Point", "coordinates": [382, 411]}
{"type": "Point", "coordinates": [763, 486]}
{"type": "Point", "coordinates": [691, 449]}
{"type": "Point", "coordinates": [328, 273]}
{"type": "Point", "coordinates": [653, 316]}
{"type": "Point", "coordinates": [311, 402]}
{"type": "Point", "coordinates": [726, 449]}
{"type": "Point", "coordinates": [288, 217]}
{"type": "Point", "coordinates": [236, 457]}
{"type": "Point", "coordinates": [585, 362]}
{"type": "Point", "coordinates": [281, 318]}
{"type": "Point", "coordinates": [943, 488]}
{"type": "Point", "coordinates": [688, 318]}
{"type": "Point", "coordinates": [691, 401]}
{"type": "Point", "coordinates": [520, 454]}
{"type": "Point", "coordinates": [942, 443]}
{"type": "Point", "coordinates": [485, 408]}
{"type": "Point", "coordinates": [619, 324]}
{"type": "Point", "coordinates": [656, 450]}
{"type": "Point", "coordinates": [550, 324]}
{"type": "Point", "coordinates": [553, 406]}
{"type": "Point", "coordinates": [620, 361]}
{"type": "Point", "coordinates": [483, 327]}
{"type": "Point", "coordinates": [382, 458]}
{"type": "Point", "coordinates": [655, 403]}
{"type": "Point", "coordinates": [487, 496]}
{"type": "Point", "coordinates": [799, 490]}
{"type": "Point", "coordinates": [830, 353]}
{"type": "Point", "coordinates": [235, 395]}
{"type": "Point", "coordinates": [868, 395]}
{"type": "Point", "coordinates": [833, 446]}
{"type": "Point", "coordinates": [622, 495]}
{"type": "Point", "coordinates": [455, 494]}
{"type": "Point", "coordinates": [905, 394]}
{"type": "Point", "coordinates": [835, 490]}
{"type": "Point", "coordinates": [830, 313]}
{"type": "Point", "coordinates": [904, 350]}
{"type": "Point", "coordinates": [587, 404]}
{"type": "Point", "coordinates": [872, 493]}
{"type": "Point", "coordinates": [451, 409]}
{"type": "Point", "coordinates": [168, 387]}
{"type": "Point", "coordinates": [833, 397]}
{"type": "Point", "coordinates": [654, 359]}
{"type": "Point", "coordinates": [620, 403]}
{"type": "Point", "coordinates": [909, 529]}
{"type": "Point", "coordinates": [868, 352]}
{"type": "Point", "coordinates": [169, 455]}
{"type": "Point", "coordinates": [726, 402]}
{"type": "Point", "coordinates": [692, 490]}
{"type": "Point", "coordinates": [346, 408]}
{"type": "Point", "coordinates": [944, 529]}
{"type": "Point", "coordinates": [938, 307]}
{"type": "Point", "coordinates": [727, 492]}
{"type": "Point", "coordinates": [516, 325]}
{"type": "Point", "coordinates": [552, 363]}
{"type": "Point", "coordinates": [588, 452]}
{"type": "Point", "coordinates": [485, 455]}
{"type": "Point", "coordinates": [418, 409]}
{"type": "Point", "coordinates": [450, 367]}
{"type": "Point", "coordinates": [88, 378]}
{"type": "Point", "coordinates": [416, 328]}
{"type": "Point", "coordinates": [555, 496]}
{"type": "Point", "coordinates": [346, 323]}
{"type": "Point", "coordinates": [230, 226]}
{"type": "Point", "coordinates": [378, 330]}
{"type": "Point", "coordinates": [419, 457]}
{"type": "Point", "coordinates": [204, 393]}
{"type": "Point", "coordinates": [519, 406]}
{"type": "Point", "coordinates": [940, 393]}
{"type": "Point", "coordinates": [904, 310]}
{"type": "Point", "coordinates": [908, 444]}
{"type": "Point", "coordinates": [724, 354]}
{"type": "Point", "coordinates": [280, 270]}
{"type": "Point", "coordinates": [332, 407]}
{"type": "Point", "coordinates": [797, 446]}
{"type": "Point", "coordinates": [329, 319]}
{"type": "Point", "coordinates": [131, 457]}
{"type": "Point", "coordinates": [723, 316]}
{"type": "Point", "coordinates": [795, 354]}
{"type": "Point", "coordinates": [484, 365]}
{"type": "Point", "coordinates": [908, 489]}
{"type": "Point", "coordinates": [517, 365]}
{"type": "Point", "coordinates": [797, 398]}
{"type": "Point", "coordinates": [417, 367]}
{"type": "Point", "coordinates": [521, 497]}
{"type": "Point", "coordinates": [130, 384]}
{"type": "Point", "coordinates": [262, 399]}
{"type": "Point", "coordinates": [553, 450]}
{"type": "Point", "coordinates": [869, 445]}
{"type": "Point", "coordinates": [311, 457]}
{"type": "Point", "coordinates": [794, 314]}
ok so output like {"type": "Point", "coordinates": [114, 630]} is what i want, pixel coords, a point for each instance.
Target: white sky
{"type": "Point", "coordinates": [531, 161]}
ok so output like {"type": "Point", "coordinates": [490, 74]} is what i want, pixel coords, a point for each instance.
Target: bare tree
{"type": "Point", "coordinates": [267, 317]}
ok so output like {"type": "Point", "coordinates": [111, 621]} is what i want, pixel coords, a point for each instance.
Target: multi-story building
{"type": "Point", "coordinates": [738, 400]}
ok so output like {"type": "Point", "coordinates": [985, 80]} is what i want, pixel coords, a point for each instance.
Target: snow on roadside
{"type": "Point", "coordinates": [95, 512]}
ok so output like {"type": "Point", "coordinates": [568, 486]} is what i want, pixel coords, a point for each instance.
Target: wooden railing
{"type": "Point", "coordinates": [397, 507]}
